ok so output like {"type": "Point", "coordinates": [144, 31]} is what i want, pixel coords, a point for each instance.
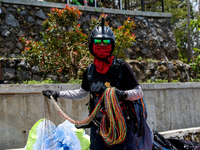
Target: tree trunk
{"type": "Point", "coordinates": [1, 78]}
{"type": "Point", "coordinates": [198, 26]}
{"type": "Point", "coordinates": [197, 74]}
{"type": "Point", "coordinates": [74, 67]}
{"type": "Point", "coordinates": [197, 30]}
{"type": "Point", "coordinates": [188, 36]}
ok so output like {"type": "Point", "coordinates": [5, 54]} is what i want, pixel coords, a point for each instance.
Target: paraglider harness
{"type": "Point", "coordinates": [128, 107]}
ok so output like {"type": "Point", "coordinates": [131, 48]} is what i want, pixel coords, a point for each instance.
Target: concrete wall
{"type": "Point", "coordinates": [170, 106]}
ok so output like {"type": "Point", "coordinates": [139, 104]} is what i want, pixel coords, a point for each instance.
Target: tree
{"type": "Point", "coordinates": [188, 36]}
{"type": "Point", "coordinates": [197, 38]}
{"type": "Point", "coordinates": [178, 9]}
{"type": "Point", "coordinates": [194, 25]}
{"type": "Point", "coordinates": [63, 47]}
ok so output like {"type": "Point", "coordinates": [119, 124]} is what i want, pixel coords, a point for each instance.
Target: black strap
{"type": "Point", "coordinates": [90, 73]}
{"type": "Point", "coordinates": [116, 71]}
{"type": "Point", "coordinates": [89, 78]}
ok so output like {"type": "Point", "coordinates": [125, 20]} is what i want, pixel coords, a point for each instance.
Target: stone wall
{"type": "Point", "coordinates": [154, 70]}
{"type": "Point", "coordinates": [154, 36]}
{"type": "Point", "coordinates": [16, 21]}
{"type": "Point", "coordinates": [154, 39]}
{"type": "Point", "coordinates": [17, 70]}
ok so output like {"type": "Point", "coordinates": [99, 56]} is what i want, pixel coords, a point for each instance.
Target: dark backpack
{"type": "Point", "coordinates": [160, 143]}
{"type": "Point", "coordinates": [181, 144]}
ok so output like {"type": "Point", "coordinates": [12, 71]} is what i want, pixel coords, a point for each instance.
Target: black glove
{"type": "Point", "coordinates": [48, 93]}
{"type": "Point", "coordinates": [121, 95]}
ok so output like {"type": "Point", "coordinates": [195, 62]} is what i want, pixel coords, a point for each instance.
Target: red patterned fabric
{"type": "Point", "coordinates": [102, 52]}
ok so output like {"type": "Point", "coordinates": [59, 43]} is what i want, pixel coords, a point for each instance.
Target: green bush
{"type": "Point", "coordinates": [63, 47]}
{"type": "Point", "coordinates": [46, 81]}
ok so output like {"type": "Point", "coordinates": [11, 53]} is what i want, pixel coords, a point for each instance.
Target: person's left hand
{"type": "Point", "coordinates": [121, 95]}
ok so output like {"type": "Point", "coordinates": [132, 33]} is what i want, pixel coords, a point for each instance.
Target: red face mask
{"type": "Point", "coordinates": [102, 52]}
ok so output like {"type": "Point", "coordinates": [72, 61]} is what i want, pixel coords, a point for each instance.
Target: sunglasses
{"type": "Point", "coordinates": [105, 41]}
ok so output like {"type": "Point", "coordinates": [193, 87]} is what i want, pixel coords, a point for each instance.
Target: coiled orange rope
{"type": "Point", "coordinates": [113, 126]}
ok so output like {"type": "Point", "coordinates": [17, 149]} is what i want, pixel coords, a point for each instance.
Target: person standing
{"type": "Point", "coordinates": [107, 71]}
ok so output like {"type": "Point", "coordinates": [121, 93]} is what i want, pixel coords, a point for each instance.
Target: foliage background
{"type": "Point", "coordinates": [178, 9]}
{"type": "Point", "coordinates": [63, 49]}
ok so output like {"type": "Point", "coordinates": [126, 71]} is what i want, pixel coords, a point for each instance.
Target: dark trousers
{"type": "Point", "coordinates": [97, 142]}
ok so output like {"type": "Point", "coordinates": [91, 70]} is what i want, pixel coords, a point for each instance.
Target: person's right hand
{"type": "Point", "coordinates": [48, 93]}
{"type": "Point", "coordinates": [121, 95]}
{"type": "Point", "coordinates": [1, 82]}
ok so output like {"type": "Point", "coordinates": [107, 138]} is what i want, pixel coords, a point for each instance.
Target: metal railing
{"type": "Point", "coordinates": [115, 4]}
